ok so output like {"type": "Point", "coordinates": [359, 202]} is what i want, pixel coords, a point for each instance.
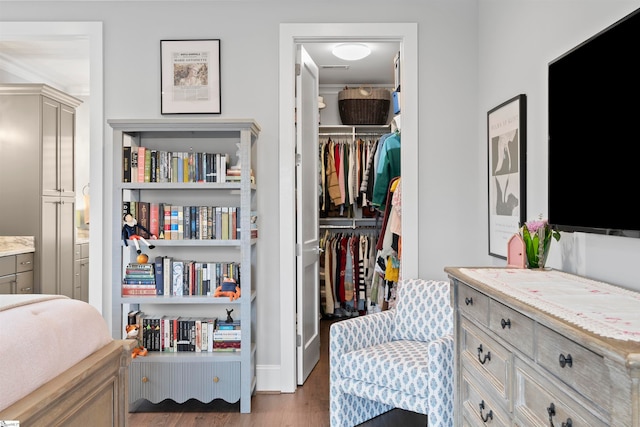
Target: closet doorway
{"type": "Point", "coordinates": [291, 36]}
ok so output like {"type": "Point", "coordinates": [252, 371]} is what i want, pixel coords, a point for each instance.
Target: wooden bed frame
{"type": "Point", "coordinates": [94, 392]}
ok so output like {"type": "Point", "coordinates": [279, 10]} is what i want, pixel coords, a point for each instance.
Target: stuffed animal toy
{"type": "Point", "coordinates": [229, 288]}
{"type": "Point", "coordinates": [133, 332]}
{"type": "Point", "coordinates": [130, 232]}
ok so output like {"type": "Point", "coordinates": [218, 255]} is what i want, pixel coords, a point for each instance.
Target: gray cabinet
{"type": "Point", "coordinates": [81, 272]}
{"type": "Point", "coordinates": [183, 375]}
{"type": "Point", "coordinates": [529, 353]}
{"type": "Point", "coordinates": [16, 274]}
{"type": "Point", "coordinates": [40, 156]}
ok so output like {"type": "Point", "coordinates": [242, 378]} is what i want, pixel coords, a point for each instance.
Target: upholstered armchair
{"type": "Point", "coordinates": [398, 358]}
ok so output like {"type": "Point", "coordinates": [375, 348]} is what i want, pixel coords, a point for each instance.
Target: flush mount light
{"type": "Point", "coordinates": [351, 51]}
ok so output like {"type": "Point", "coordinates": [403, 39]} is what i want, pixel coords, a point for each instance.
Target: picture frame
{"type": "Point", "coordinates": [190, 76]}
{"type": "Point", "coordinates": [507, 172]}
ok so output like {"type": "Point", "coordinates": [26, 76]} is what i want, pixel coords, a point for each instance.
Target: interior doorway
{"type": "Point", "coordinates": [292, 35]}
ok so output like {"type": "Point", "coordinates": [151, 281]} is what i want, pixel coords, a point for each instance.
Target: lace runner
{"type": "Point", "coordinates": [598, 307]}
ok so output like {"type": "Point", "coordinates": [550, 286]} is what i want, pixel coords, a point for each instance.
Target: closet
{"type": "Point", "coordinates": [359, 259]}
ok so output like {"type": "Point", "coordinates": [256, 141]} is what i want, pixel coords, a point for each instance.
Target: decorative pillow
{"type": "Point", "coordinates": [423, 310]}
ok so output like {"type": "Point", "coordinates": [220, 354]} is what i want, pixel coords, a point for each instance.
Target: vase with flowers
{"type": "Point", "coordinates": [537, 238]}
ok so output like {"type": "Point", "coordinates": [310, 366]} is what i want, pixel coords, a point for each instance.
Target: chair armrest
{"type": "Point", "coordinates": [360, 332]}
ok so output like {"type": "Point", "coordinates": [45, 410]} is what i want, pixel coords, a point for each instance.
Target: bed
{"type": "Point", "coordinates": [59, 365]}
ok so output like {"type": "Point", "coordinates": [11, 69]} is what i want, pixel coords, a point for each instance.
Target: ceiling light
{"type": "Point", "coordinates": [351, 51]}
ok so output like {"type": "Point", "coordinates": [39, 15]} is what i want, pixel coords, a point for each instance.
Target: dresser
{"type": "Point", "coordinates": [544, 348]}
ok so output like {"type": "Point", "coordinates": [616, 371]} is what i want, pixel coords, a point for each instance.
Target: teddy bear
{"type": "Point", "coordinates": [133, 332]}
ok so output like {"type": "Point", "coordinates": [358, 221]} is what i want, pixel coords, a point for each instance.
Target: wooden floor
{"type": "Point", "coordinates": [307, 407]}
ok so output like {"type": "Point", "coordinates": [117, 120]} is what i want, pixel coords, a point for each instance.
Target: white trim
{"type": "Point", "coordinates": [290, 35]}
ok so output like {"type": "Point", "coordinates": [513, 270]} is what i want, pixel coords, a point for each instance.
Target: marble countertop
{"type": "Point", "coordinates": [15, 245]}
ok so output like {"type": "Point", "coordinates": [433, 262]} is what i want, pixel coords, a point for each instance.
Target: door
{"type": "Point", "coordinates": [307, 244]}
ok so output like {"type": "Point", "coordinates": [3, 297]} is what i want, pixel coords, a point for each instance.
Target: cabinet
{"type": "Point", "coordinates": [16, 274]}
{"type": "Point", "coordinates": [184, 375]}
{"type": "Point", "coordinates": [38, 151]}
{"type": "Point", "coordinates": [528, 353]}
{"type": "Point", "coordinates": [81, 272]}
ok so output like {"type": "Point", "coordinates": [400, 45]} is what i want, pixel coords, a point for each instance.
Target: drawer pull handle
{"type": "Point", "coordinates": [468, 301]}
{"type": "Point", "coordinates": [505, 323]}
{"type": "Point", "coordinates": [486, 356]}
{"type": "Point", "coordinates": [565, 360]}
{"type": "Point", "coordinates": [551, 410]}
{"type": "Point", "coordinates": [216, 379]}
{"type": "Point", "coordinates": [487, 417]}
{"type": "Point", "coordinates": [25, 289]}
{"type": "Point", "coordinates": [145, 379]}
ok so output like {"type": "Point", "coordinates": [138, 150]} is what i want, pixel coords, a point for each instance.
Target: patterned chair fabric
{"type": "Point", "coordinates": [399, 358]}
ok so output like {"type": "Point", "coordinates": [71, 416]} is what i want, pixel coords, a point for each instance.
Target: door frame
{"type": "Point", "coordinates": [406, 34]}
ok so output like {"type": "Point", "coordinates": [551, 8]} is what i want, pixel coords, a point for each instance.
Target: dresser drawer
{"type": "Point", "coordinates": [479, 407]}
{"type": "Point", "coordinates": [583, 369]}
{"type": "Point", "coordinates": [473, 304]}
{"type": "Point", "coordinates": [511, 326]}
{"type": "Point", "coordinates": [24, 262]}
{"type": "Point", "coordinates": [535, 395]}
{"type": "Point", "coordinates": [7, 265]}
{"type": "Point", "coordinates": [492, 361]}
{"type": "Point", "coordinates": [180, 381]}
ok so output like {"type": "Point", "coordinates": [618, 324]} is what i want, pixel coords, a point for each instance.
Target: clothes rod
{"type": "Point", "coordinates": [351, 134]}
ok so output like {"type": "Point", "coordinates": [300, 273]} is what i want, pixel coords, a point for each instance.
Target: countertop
{"type": "Point", "coordinates": [15, 245]}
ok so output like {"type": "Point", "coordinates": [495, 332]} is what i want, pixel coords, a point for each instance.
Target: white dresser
{"type": "Point", "coordinates": [544, 348]}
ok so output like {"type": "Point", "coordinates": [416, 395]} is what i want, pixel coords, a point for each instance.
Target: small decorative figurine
{"type": "Point", "coordinates": [130, 232]}
{"type": "Point", "coordinates": [229, 318]}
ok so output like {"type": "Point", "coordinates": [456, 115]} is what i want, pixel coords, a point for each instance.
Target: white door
{"type": "Point", "coordinates": [307, 249]}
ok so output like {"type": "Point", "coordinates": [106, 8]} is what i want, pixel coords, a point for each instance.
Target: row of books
{"type": "Point", "coordinates": [141, 164]}
{"type": "Point", "coordinates": [186, 334]}
{"type": "Point", "coordinates": [166, 276]}
{"type": "Point", "coordinates": [177, 222]}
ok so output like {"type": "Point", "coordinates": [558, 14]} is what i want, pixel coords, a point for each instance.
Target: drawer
{"type": "Point", "coordinates": [512, 326]}
{"type": "Point", "coordinates": [535, 395]}
{"type": "Point", "coordinates": [84, 250]}
{"type": "Point", "coordinates": [24, 282]}
{"type": "Point", "coordinates": [6, 284]}
{"type": "Point", "coordinates": [7, 265]}
{"type": "Point", "coordinates": [586, 372]}
{"type": "Point", "coordinates": [24, 262]}
{"type": "Point", "coordinates": [473, 304]}
{"type": "Point", "coordinates": [478, 405]}
{"type": "Point", "coordinates": [173, 378]}
{"type": "Point", "coordinates": [480, 353]}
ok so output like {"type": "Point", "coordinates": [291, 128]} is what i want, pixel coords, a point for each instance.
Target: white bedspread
{"type": "Point", "coordinates": [41, 336]}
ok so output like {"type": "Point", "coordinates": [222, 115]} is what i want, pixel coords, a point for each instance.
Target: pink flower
{"type": "Point", "coordinates": [533, 226]}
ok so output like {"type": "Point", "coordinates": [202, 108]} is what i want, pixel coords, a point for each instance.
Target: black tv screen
{"type": "Point", "coordinates": [594, 133]}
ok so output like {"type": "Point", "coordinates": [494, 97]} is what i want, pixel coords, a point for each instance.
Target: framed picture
{"type": "Point", "coordinates": [507, 172]}
{"type": "Point", "coordinates": [190, 76]}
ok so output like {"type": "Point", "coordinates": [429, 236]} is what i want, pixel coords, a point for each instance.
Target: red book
{"type": "Point", "coordinates": [167, 221]}
{"type": "Point", "coordinates": [154, 218]}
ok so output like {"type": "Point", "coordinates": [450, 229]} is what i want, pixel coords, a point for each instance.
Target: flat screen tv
{"type": "Point", "coordinates": [594, 133]}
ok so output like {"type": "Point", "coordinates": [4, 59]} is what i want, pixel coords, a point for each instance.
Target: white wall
{"type": "Point", "coordinates": [473, 54]}
{"type": "Point", "coordinates": [517, 40]}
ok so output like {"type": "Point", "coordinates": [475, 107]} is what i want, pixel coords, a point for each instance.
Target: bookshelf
{"type": "Point", "coordinates": [183, 375]}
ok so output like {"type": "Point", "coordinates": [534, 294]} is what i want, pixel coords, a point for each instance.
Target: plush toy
{"type": "Point", "coordinates": [133, 332]}
{"type": "Point", "coordinates": [130, 232]}
{"type": "Point", "coordinates": [229, 288]}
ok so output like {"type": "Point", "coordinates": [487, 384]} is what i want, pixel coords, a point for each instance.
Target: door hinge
{"type": "Point", "coordinates": [298, 340]}
{"type": "Point", "coordinates": [297, 69]}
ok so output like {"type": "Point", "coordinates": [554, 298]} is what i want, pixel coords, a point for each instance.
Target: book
{"type": "Point", "coordinates": [141, 160]}
{"type": "Point", "coordinates": [224, 227]}
{"type": "Point", "coordinates": [134, 164]}
{"type": "Point", "coordinates": [167, 222]}
{"type": "Point", "coordinates": [138, 291]}
{"type": "Point", "coordinates": [147, 166]}
{"type": "Point", "coordinates": [159, 274]}
{"type": "Point", "coordinates": [232, 223]}
{"type": "Point", "coordinates": [222, 169]}
{"type": "Point", "coordinates": [126, 163]}
{"type": "Point", "coordinates": [154, 218]}
{"type": "Point", "coordinates": [144, 219]}
{"type": "Point", "coordinates": [177, 284]}
{"type": "Point", "coordinates": [153, 168]}
{"type": "Point", "coordinates": [174, 221]}
{"type": "Point", "coordinates": [167, 277]}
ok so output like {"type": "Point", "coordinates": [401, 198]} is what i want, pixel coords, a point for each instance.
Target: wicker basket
{"type": "Point", "coordinates": [364, 106]}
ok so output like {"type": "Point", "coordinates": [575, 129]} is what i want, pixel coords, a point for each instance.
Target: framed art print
{"type": "Point", "coordinates": [507, 172]}
{"type": "Point", "coordinates": [190, 76]}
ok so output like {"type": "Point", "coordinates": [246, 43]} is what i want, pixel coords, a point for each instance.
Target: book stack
{"type": "Point", "coordinates": [139, 279]}
{"type": "Point", "coordinates": [173, 333]}
{"type": "Point", "coordinates": [227, 336]}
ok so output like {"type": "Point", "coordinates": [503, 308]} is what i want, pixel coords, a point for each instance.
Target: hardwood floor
{"type": "Point", "coordinates": [307, 407]}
